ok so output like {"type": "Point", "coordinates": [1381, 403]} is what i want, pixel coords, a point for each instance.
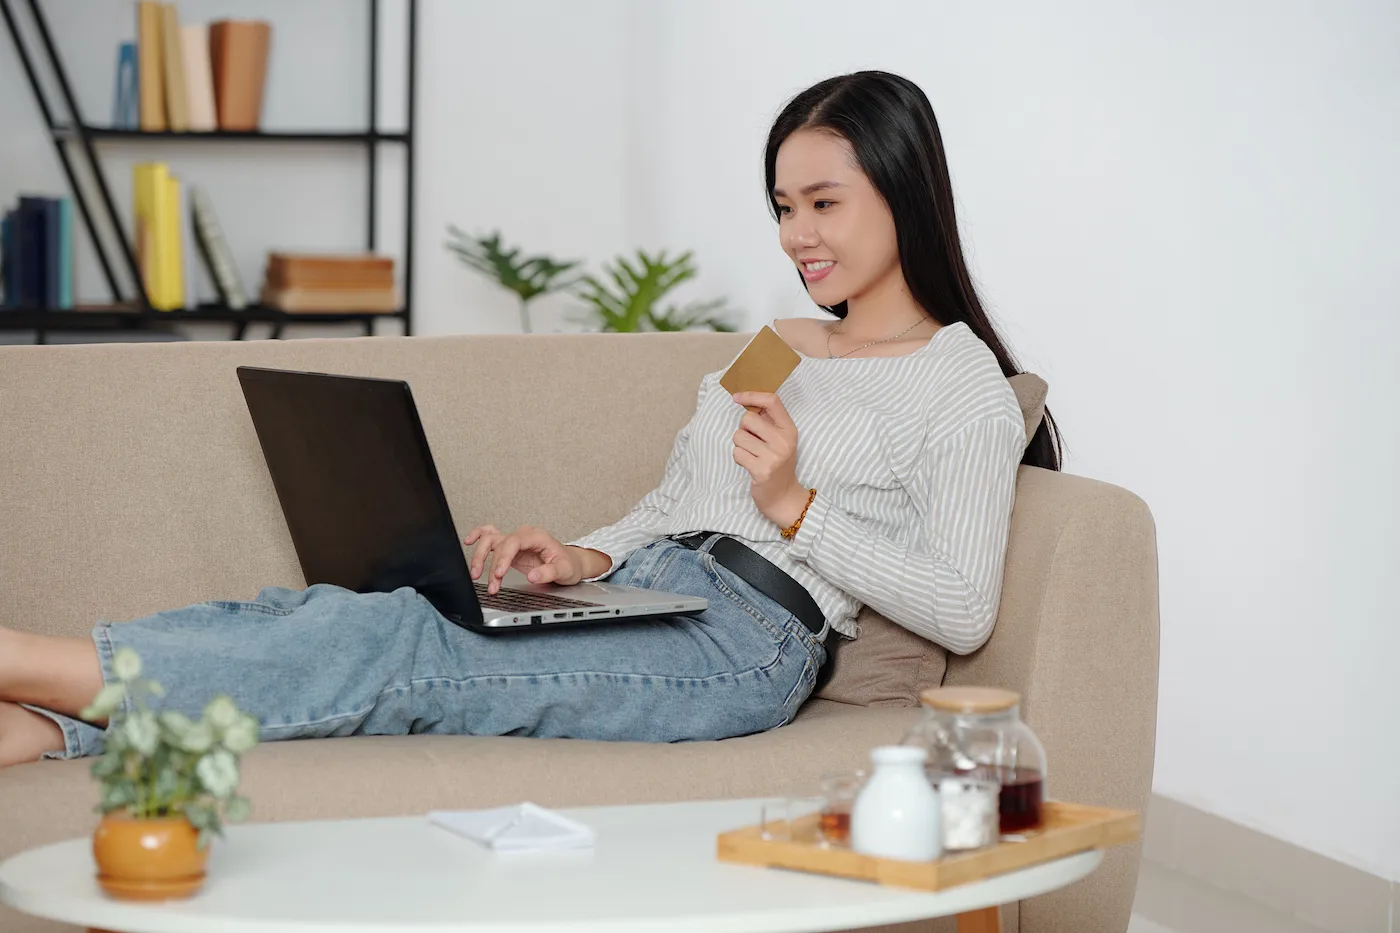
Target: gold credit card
{"type": "Point", "coordinates": [763, 366]}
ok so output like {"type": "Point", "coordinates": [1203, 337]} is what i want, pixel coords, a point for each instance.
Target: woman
{"type": "Point", "coordinates": [881, 474]}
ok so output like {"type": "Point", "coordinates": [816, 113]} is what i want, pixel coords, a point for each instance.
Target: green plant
{"type": "Point", "coordinates": [628, 302]}
{"type": "Point", "coordinates": [528, 277]}
{"type": "Point", "coordinates": [167, 765]}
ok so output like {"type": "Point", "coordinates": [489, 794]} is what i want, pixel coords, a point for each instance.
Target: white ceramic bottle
{"type": "Point", "coordinates": [897, 813]}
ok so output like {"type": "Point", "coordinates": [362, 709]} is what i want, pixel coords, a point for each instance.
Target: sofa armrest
{"type": "Point", "coordinates": [1077, 634]}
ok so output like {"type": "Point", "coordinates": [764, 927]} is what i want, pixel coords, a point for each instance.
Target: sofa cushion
{"type": "Point", "coordinates": [1030, 392]}
{"type": "Point", "coordinates": [397, 775]}
{"type": "Point", "coordinates": [886, 665]}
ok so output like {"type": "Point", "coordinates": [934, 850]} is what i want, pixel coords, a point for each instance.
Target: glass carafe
{"type": "Point", "coordinates": [978, 731]}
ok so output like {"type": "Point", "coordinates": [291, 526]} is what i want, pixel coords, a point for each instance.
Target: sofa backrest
{"type": "Point", "coordinates": [134, 480]}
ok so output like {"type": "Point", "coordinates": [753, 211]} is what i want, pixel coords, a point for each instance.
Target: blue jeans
{"type": "Point", "coordinates": [330, 662]}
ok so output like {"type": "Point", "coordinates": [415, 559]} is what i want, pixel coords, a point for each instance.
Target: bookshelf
{"type": "Point", "coordinates": [75, 141]}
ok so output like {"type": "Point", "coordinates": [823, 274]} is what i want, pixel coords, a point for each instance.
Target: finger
{"type": "Point", "coordinates": [482, 552]}
{"type": "Point", "coordinates": [759, 426]}
{"type": "Point", "coordinates": [745, 459]}
{"type": "Point", "coordinates": [749, 443]}
{"type": "Point", "coordinates": [477, 532]}
{"type": "Point", "coordinates": [505, 554]}
{"type": "Point", "coordinates": [545, 573]}
{"type": "Point", "coordinates": [542, 544]}
{"type": "Point", "coordinates": [486, 552]}
{"type": "Point", "coordinates": [768, 404]}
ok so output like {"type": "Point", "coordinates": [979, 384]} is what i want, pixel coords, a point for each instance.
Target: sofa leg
{"type": "Point", "coordinates": [986, 920]}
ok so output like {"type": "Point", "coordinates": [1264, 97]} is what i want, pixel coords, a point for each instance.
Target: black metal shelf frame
{"type": "Point", "coordinates": [82, 137]}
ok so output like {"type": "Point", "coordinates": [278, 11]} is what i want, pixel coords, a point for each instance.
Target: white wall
{"type": "Point", "coordinates": [1183, 216]}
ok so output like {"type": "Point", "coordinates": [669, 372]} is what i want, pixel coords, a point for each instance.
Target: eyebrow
{"type": "Point", "coordinates": [814, 186]}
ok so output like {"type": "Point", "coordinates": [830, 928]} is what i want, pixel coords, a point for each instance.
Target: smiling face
{"type": "Point", "coordinates": [832, 222]}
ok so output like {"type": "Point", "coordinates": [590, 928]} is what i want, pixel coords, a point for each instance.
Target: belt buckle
{"type": "Point", "coordinates": [691, 539]}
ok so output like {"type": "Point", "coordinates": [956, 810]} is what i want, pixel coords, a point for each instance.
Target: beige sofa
{"type": "Point", "coordinates": [133, 482]}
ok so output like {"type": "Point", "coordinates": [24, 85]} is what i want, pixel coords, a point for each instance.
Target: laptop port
{"type": "Point", "coordinates": [561, 615]}
{"type": "Point", "coordinates": [578, 615]}
{"type": "Point", "coordinates": [536, 620]}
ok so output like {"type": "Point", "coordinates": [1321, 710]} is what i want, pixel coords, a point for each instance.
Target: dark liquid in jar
{"type": "Point", "coordinates": [1022, 795]}
{"type": "Point", "coordinates": [836, 826]}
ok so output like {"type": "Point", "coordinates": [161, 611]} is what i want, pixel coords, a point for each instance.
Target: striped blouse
{"type": "Point", "coordinates": [914, 461]}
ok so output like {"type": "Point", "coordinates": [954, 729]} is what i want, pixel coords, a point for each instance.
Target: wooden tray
{"type": "Point", "coordinates": [1068, 828]}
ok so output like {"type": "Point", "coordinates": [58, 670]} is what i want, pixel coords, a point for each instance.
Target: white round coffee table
{"type": "Point", "coordinates": [653, 869]}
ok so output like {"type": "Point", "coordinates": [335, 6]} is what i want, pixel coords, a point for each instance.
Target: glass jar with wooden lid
{"type": "Point", "coordinates": [978, 731]}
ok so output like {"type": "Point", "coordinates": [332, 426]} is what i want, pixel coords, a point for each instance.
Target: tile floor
{"type": "Point", "coordinates": [1168, 902]}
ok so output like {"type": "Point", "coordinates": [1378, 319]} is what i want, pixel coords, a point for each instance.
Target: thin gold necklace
{"type": "Point", "coordinates": [831, 333]}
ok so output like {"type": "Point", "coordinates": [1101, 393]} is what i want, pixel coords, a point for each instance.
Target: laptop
{"type": "Point", "coordinates": [366, 510]}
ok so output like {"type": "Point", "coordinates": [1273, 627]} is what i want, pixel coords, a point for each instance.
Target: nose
{"type": "Point", "coordinates": [799, 233]}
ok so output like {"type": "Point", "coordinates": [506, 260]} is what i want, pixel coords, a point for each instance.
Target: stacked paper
{"type": "Point", "coordinates": [521, 828]}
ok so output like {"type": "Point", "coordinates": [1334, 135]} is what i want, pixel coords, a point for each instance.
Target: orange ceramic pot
{"type": "Point", "coordinates": [148, 860]}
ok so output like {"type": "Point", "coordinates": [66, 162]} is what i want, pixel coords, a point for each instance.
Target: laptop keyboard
{"type": "Point", "coordinates": [521, 601]}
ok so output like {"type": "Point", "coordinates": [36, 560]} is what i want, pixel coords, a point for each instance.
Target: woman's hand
{"type": "Point", "coordinates": [766, 446]}
{"type": "Point", "coordinates": [532, 551]}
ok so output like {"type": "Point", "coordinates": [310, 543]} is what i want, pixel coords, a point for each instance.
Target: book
{"type": "Point", "coordinates": [149, 70]}
{"type": "Point", "coordinates": [172, 266]}
{"type": "Point", "coordinates": [306, 270]}
{"type": "Point", "coordinates": [214, 250]}
{"type": "Point", "coordinates": [27, 257]}
{"type": "Point", "coordinates": [158, 234]}
{"type": "Point", "coordinates": [7, 243]}
{"type": "Point", "coordinates": [184, 220]}
{"type": "Point", "coordinates": [177, 110]}
{"type": "Point", "coordinates": [199, 79]}
{"type": "Point", "coordinates": [238, 52]}
{"type": "Point", "coordinates": [126, 105]}
{"type": "Point", "coordinates": [46, 231]}
{"type": "Point", "coordinates": [331, 300]}
{"type": "Point", "coordinates": [142, 238]}
{"type": "Point", "coordinates": [65, 253]}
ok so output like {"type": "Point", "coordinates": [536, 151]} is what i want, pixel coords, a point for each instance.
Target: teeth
{"type": "Point", "coordinates": [818, 266]}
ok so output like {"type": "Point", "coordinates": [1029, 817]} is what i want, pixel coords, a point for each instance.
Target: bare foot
{"type": "Point", "coordinates": [25, 735]}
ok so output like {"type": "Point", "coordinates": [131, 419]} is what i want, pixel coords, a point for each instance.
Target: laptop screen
{"type": "Point", "coordinates": [356, 480]}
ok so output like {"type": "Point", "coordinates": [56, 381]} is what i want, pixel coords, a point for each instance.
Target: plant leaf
{"type": "Point", "coordinates": [528, 277]}
{"type": "Point", "coordinates": [237, 809]}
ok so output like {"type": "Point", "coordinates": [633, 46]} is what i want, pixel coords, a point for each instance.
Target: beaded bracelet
{"type": "Point", "coordinates": [789, 532]}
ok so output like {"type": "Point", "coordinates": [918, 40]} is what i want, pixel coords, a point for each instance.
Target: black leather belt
{"type": "Point", "coordinates": [763, 575]}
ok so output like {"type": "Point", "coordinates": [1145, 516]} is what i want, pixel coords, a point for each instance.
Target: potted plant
{"type": "Point", "coordinates": [168, 784]}
{"type": "Point", "coordinates": [629, 300]}
{"type": "Point", "coordinates": [527, 276]}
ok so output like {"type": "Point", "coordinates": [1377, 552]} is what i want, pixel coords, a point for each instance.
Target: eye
{"type": "Point", "coordinates": [821, 205]}
{"type": "Point", "coordinates": [784, 209]}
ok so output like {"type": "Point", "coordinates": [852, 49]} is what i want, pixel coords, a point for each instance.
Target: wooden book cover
{"type": "Point", "coordinates": [330, 301]}
{"type": "Point", "coordinates": [238, 50]}
{"type": "Point", "coordinates": [291, 270]}
{"type": "Point", "coordinates": [368, 278]}
{"type": "Point", "coordinates": [177, 109]}
{"type": "Point", "coordinates": [149, 68]}
{"type": "Point", "coordinates": [199, 79]}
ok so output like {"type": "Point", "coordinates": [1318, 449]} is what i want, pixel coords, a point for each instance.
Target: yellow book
{"type": "Point", "coordinates": [156, 238]}
{"type": "Point", "coordinates": [143, 185]}
{"type": "Point", "coordinates": [171, 248]}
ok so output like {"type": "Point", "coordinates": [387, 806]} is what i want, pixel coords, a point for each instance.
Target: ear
{"type": "Point", "coordinates": [1030, 392]}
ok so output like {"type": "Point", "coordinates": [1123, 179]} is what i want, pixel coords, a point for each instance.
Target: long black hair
{"type": "Point", "coordinates": [890, 124]}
